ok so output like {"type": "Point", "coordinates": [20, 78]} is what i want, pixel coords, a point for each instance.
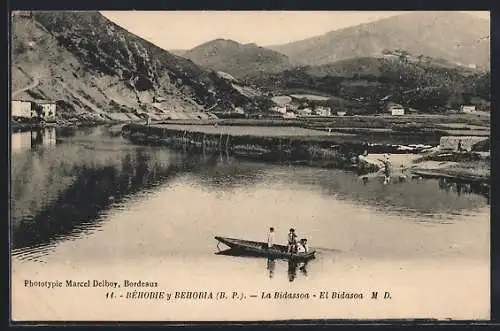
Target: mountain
{"type": "Point", "coordinates": [239, 60]}
{"type": "Point", "coordinates": [453, 36]}
{"type": "Point", "coordinates": [95, 69]}
{"type": "Point", "coordinates": [419, 82]}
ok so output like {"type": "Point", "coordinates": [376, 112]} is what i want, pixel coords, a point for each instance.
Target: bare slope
{"type": "Point", "coordinates": [240, 60]}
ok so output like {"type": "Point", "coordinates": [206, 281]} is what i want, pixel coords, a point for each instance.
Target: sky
{"type": "Point", "coordinates": [187, 29]}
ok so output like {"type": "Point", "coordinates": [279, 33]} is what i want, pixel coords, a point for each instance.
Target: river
{"type": "Point", "coordinates": [88, 204]}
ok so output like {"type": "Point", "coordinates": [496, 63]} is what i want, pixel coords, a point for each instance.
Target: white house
{"type": "Point", "coordinates": [323, 111]}
{"type": "Point", "coordinates": [390, 56]}
{"type": "Point", "coordinates": [239, 110]}
{"type": "Point", "coordinates": [278, 109]}
{"type": "Point", "coordinates": [467, 109]}
{"type": "Point", "coordinates": [21, 108]}
{"type": "Point", "coordinates": [289, 115]}
{"type": "Point", "coordinates": [49, 110]}
{"type": "Point", "coordinates": [396, 109]}
{"type": "Point", "coordinates": [305, 111]}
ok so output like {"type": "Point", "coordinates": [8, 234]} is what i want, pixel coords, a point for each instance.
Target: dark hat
{"type": "Point", "coordinates": [292, 230]}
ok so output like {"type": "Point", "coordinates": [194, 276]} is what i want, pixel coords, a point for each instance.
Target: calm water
{"type": "Point", "coordinates": [90, 201]}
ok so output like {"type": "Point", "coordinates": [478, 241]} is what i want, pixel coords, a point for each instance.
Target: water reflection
{"type": "Point", "coordinates": [78, 206]}
{"type": "Point", "coordinates": [271, 266]}
{"type": "Point", "coordinates": [461, 188]}
{"type": "Point", "coordinates": [67, 190]}
{"type": "Point", "coordinates": [294, 266]}
{"type": "Point", "coordinates": [61, 192]}
{"type": "Point", "coordinates": [33, 139]}
{"type": "Point", "coordinates": [411, 198]}
{"type": "Point", "coordinates": [228, 174]}
{"type": "Point", "coordinates": [88, 175]}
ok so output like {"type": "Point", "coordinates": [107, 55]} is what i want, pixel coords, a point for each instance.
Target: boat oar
{"type": "Point", "coordinates": [327, 249]}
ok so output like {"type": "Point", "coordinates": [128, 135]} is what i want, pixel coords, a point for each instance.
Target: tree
{"type": "Point", "coordinates": [467, 97]}
{"type": "Point", "coordinates": [38, 110]}
{"type": "Point", "coordinates": [483, 86]}
{"type": "Point", "coordinates": [403, 57]}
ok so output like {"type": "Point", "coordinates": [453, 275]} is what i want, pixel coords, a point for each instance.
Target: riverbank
{"type": "Point", "coordinates": [21, 127]}
{"type": "Point", "coordinates": [302, 145]}
{"type": "Point", "coordinates": [450, 121]}
{"type": "Point", "coordinates": [467, 167]}
{"type": "Point", "coordinates": [271, 144]}
{"type": "Point", "coordinates": [463, 166]}
{"type": "Point", "coordinates": [382, 129]}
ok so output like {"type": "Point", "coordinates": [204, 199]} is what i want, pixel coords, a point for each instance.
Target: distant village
{"type": "Point", "coordinates": [302, 107]}
{"type": "Point", "coordinates": [294, 110]}
{"type": "Point", "coordinates": [285, 107]}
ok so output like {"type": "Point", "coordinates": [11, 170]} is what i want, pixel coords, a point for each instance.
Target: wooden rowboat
{"type": "Point", "coordinates": [256, 248]}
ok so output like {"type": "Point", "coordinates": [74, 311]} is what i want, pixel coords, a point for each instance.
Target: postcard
{"type": "Point", "coordinates": [202, 166]}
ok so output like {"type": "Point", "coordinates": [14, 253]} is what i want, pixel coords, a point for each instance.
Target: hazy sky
{"type": "Point", "coordinates": [187, 29]}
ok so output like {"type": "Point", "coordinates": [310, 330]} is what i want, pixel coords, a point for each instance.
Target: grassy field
{"type": "Point", "coordinates": [462, 126]}
{"type": "Point", "coordinates": [458, 121]}
{"type": "Point", "coordinates": [310, 97]}
{"type": "Point", "coordinates": [393, 130]}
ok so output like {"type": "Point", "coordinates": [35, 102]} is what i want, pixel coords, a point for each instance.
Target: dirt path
{"type": "Point", "coordinates": [34, 84]}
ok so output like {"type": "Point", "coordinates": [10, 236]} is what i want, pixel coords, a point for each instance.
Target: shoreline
{"type": "Point", "coordinates": [293, 141]}
{"type": "Point", "coordinates": [300, 146]}
{"type": "Point", "coordinates": [278, 144]}
{"type": "Point", "coordinates": [22, 127]}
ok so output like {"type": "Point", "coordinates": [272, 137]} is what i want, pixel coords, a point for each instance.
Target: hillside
{"type": "Point", "coordinates": [453, 36]}
{"type": "Point", "coordinates": [367, 83]}
{"type": "Point", "coordinates": [240, 60]}
{"type": "Point", "coordinates": [95, 69]}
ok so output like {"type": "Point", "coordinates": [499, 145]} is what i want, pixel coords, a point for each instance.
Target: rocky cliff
{"type": "Point", "coordinates": [95, 69]}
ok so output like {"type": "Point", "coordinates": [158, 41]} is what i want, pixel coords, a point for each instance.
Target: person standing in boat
{"type": "Point", "coordinates": [292, 241]}
{"type": "Point", "coordinates": [270, 238]}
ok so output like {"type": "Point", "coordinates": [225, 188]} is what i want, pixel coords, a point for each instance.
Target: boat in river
{"type": "Point", "coordinates": [260, 249]}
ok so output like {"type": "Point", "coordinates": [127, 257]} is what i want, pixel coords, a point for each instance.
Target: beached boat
{"type": "Point", "coordinates": [256, 248]}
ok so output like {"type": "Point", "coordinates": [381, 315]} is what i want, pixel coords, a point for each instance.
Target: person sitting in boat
{"type": "Point", "coordinates": [302, 246]}
{"type": "Point", "coordinates": [292, 241]}
{"type": "Point", "coordinates": [270, 238]}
